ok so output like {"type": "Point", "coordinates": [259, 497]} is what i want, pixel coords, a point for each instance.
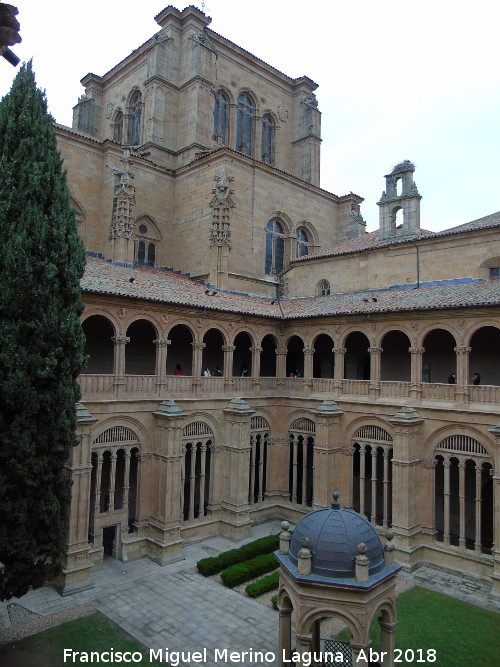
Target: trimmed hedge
{"type": "Point", "coordinates": [274, 601]}
{"type": "Point", "coordinates": [263, 585]}
{"type": "Point", "coordinates": [241, 572]}
{"type": "Point", "coordinates": [264, 545]}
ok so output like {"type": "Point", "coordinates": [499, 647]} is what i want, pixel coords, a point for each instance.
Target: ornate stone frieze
{"type": "Point", "coordinates": [123, 199]}
{"type": "Point", "coordinates": [311, 100]}
{"type": "Point", "coordinates": [221, 203]}
{"type": "Point", "coordinates": [203, 39]}
{"type": "Point", "coordinates": [282, 113]}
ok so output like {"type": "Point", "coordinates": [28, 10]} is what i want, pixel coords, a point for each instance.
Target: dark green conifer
{"type": "Point", "coordinates": [41, 340]}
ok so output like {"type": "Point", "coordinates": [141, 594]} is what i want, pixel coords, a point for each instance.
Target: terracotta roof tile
{"type": "Point", "coordinates": [153, 284]}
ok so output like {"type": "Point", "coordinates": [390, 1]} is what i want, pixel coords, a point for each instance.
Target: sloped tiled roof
{"type": "Point", "coordinates": [370, 240]}
{"type": "Point", "coordinates": [152, 284]}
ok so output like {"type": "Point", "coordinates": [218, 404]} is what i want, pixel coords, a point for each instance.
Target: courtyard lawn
{"type": "Point", "coordinates": [92, 633]}
{"type": "Point", "coordinates": [460, 633]}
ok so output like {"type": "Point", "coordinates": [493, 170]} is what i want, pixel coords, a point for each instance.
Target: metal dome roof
{"type": "Point", "coordinates": [334, 534]}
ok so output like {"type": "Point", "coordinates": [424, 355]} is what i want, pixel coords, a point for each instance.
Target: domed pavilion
{"type": "Point", "coordinates": [334, 564]}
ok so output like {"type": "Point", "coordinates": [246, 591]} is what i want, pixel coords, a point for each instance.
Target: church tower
{"type": "Point", "coordinates": [400, 194]}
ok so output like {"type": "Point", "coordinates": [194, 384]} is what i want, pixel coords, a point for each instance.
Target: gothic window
{"type": "Point", "coordinates": [134, 133]}
{"type": "Point", "coordinates": [144, 248]}
{"type": "Point", "coordinates": [118, 128]}
{"type": "Point", "coordinates": [244, 129]}
{"type": "Point", "coordinates": [323, 288]}
{"type": "Point", "coordinates": [220, 118]}
{"type": "Point", "coordinates": [275, 247]}
{"type": "Point", "coordinates": [302, 242]}
{"type": "Point", "coordinates": [267, 139]}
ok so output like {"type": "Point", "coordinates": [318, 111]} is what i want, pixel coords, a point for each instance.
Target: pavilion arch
{"type": "Point", "coordinates": [316, 614]}
{"type": "Point", "coordinates": [388, 612]}
{"type": "Point", "coordinates": [180, 350]}
{"type": "Point", "coordinates": [439, 358]}
{"type": "Point", "coordinates": [284, 599]}
{"type": "Point", "coordinates": [140, 351]}
{"type": "Point", "coordinates": [395, 361]}
{"type": "Point", "coordinates": [99, 331]}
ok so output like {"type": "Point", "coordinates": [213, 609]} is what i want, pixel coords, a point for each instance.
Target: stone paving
{"type": "Point", "coordinates": [173, 607]}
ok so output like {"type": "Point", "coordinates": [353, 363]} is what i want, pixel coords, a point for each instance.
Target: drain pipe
{"type": "Point", "coordinates": [418, 263]}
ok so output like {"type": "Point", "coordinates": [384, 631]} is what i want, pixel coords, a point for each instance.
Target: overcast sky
{"type": "Point", "coordinates": [397, 81]}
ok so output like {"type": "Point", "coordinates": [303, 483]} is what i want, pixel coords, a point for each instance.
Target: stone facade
{"type": "Point", "coordinates": [337, 391]}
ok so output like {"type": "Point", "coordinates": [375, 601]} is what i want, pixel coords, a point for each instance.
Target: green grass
{"type": "Point", "coordinates": [92, 633]}
{"type": "Point", "coordinates": [461, 633]}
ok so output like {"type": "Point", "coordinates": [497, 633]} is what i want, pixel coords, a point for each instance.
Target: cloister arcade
{"type": "Point", "coordinates": [391, 363]}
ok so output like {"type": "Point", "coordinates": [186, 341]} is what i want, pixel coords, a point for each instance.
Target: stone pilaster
{"type": "Point", "coordinates": [406, 512]}
{"type": "Point", "coordinates": [76, 565]}
{"type": "Point", "coordinates": [326, 442]}
{"type": "Point", "coordinates": [416, 356]}
{"type": "Point", "coordinates": [461, 389]}
{"type": "Point", "coordinates": [164, 525]}
{"type": "Point", "coordinates": [236, 468]}
{"type": "Point", "coordinates": [495, 577]}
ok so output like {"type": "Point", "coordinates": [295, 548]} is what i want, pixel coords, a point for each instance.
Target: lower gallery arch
{"type": "Point", "coordinates": [372, 474]}
{"type": "Point", "coordinates": [301, 461]}
{"type": "Point", "coordinates": [463, 495]}
{"type": "Point", "coordinates": [259, 459]}
{"type": "Point", "coordinates": [114, 488]}
{"type": "Point", "coordinates": [197, 447]}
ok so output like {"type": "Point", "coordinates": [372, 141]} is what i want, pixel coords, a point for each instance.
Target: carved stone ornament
{"type": "Point", "coordinates": [356, 214]}
{"type": "Point", "coordinates": [282, 112]}
{"type": "Point", "coordinates": [123, 199]}
{"type": "Point", "coordinates": [109, 110]}
{"type": "Point", "coordinates": [460, 324]}
{"type": "Point", "coordinates": [414, 326]}
{"type": "Point", "coordinates": [311, 100]}
{"type": "Point", "coordinates": [122, 312]}
{"type": "Point", "coordinates": [164, 318]}
{"type": "Point", "coordinates": [203, 39]}
{"type": "Point", "coordinates": [221, 203]}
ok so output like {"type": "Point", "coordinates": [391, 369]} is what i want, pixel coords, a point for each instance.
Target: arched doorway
{"type": "Point", "coordinates": [323, 359]}
{"type": "Point", "coordinates": [357, 357]}
{"type": "Point", "coordinates": [180, 350]}
{"type": "Point", "coordinates": [99, 345]}
{"type": "Point", "coordinates": [395, 362]}
{"type": "Point", "coordinates": [140, 351]}
{"type": "Point", "coordinates": [439, 359]}
{"type": "Point", "coordinates": [242, 356]}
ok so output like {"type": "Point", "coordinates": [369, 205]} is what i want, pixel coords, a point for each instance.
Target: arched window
{"type": "Point", "coordinates": [118, 128]}
{"type": "Point", "coordinates": [144, 248]}
{"type": "Point", "coordinates": [267, 139]}
{"type": "Point", "coordinates": [134, 130]}
{"type": "Point", "coordinates": [302, 242]}
{"type": "Point", "coordinates": [244, 129]}
{"type": "Point", "coordinates": [275, 247]}
{"type": "Point", "coordinates": [323, 288]}
{"type": "Point", "coordinates": [220, 118]}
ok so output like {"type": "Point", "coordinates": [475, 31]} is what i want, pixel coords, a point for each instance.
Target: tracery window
{"type": "Point", "coordinates": [134, 130]}
{"type": "Point", "coordinates": [144, 249]}
{"type": "Point", "coordinates": [267, 139]}
{"type": "Point", "coordinates": [220, 118]}
{"type": "Point", "coordinates": [244, 127]}
{"type": "Point", "coordinates": [275, 247]}
{"type": "Point", "coordinates": [302, 242]}
{"type": "Point", "coordinates": [118, 128]}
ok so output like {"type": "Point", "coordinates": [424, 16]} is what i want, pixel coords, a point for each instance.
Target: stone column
{"type": "Point", "coordinates": [416, 357]}
{"type": "Point", "coordinates": [387, 641]}
{"type": "Point", "coordinates": [285, 637]}
{"type": "Point", "coordinates": [338, 368]}
{"type": "Point", "coordinates": [495, 577]}
{"type": "Point", "coordinates": [234, 506]}
{"type": "Point", "coordinates": [462, 386]}
{"type": "Point", "coordinates": [228, 367]}
{"type": "Point", "coordinates": [164, 524]}
{"type": "Point", "coordinates": [119, 363]}
{"type": "Point", "coordinates": [446, 502]}
{"type": "Point", "coordinates": [375, 358]}
{"type": "Point", "coordinates": [76, 565]}
{"type": "Point", "coordinates": [326, 446]}
{"type": "Point", "coordinates": [255, 350]}
{"type": "Point", "coordinates": [477, 523]}
{"type": "Point", "coordinates": [281, 364]}
{"type": "Point", "coordinates": [406, 512]}
{"type": "Point", "coordinates": [461, 500]}
{"type": "Point", "coordinates": [304, 650]}
{"type": "Point", "coordinates": [162, 343]}
{"type": "Point", "coordinates": [373, 509]}
{"type": "Point", "coordinates": [197, 361]}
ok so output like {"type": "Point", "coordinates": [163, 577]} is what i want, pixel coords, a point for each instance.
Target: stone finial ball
{"type": "Point", "coordinates": [285, 525]}
{"type": "Point", "coordinates": [304, 541]}
{"type": "Point", "coordinates": [362, 548]}
{"type": "Point", "coordinates": [389, 535]}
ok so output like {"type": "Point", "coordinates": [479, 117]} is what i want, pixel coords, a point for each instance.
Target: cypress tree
{"type": "Point", "coordinates": [41, 340]}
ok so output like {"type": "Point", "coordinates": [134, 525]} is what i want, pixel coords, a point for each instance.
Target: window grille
{"type": "Point", "coordinates": [463, 444]}
{"type": "Point", "coordinates": [259, 424]}
{"type": "Point", "coordinates": [304, 425]}
{"type": "Point", "coordinates": [371, 432]}
{"type": "Point", "coordinates": [197, 428]}
{"type": "Point", "coordinates": [116, 434]}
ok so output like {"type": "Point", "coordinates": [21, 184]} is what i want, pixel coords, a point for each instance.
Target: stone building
{"type": "Point", "coordinates": [194, 167]}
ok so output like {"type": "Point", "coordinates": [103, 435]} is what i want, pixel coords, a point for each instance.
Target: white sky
{"type": "Point", "coordinates": [397, 80]}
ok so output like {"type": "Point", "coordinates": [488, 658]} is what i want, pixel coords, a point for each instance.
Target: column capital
{"type": "Point", "coordinates": [198, 346]}
{"type": "Point", "coordinates": [255, 349]}
{"type": "Point", "coordinates": [462, 349]}
{"type": "Point", "coordinates": [309, 350]}
{"type": "Point", "coordinates": [228, 348]}
{"type": "Point", "coordinates": [120, 339]}
{"type": "Point", "coordinates": [162, 342]}
{"type": "Point", "coordinates": [416, 350]}
{"type": "Point", "coordinates": [339, 350]}
{"type": "Point", "coordinates": [375, 350]}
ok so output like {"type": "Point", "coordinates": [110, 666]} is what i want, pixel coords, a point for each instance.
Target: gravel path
{"type": "Point", "coordinates": [26, 623]}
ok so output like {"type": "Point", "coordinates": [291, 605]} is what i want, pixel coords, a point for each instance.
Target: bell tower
{"type": "Point", "coordinates": [400, 194]}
